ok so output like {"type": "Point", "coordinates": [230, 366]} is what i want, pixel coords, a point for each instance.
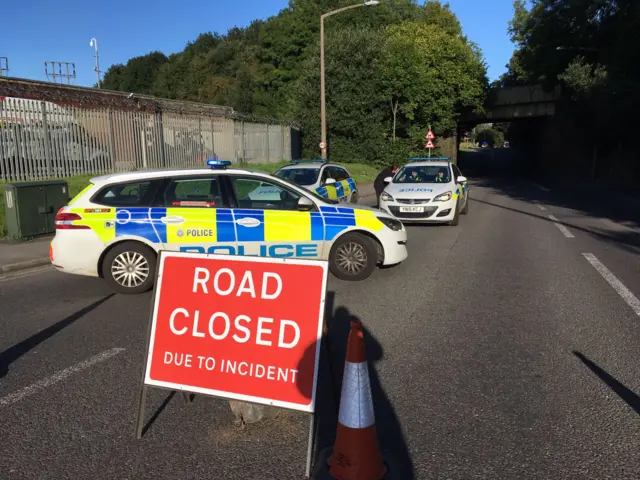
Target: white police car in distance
{"type": "Point", "coordinates": [114, 228]}
{"type": "Point", "coordinates": [426, 191]}
{"type": "Point", "coordinates": [330, 181]}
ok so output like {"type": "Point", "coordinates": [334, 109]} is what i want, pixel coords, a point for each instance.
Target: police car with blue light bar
{"type": "Point", "coordinates": [329, 180]}
{"type": "Point", "coordinates": [114, 228]}
{"type": "Point", "coordinates": [426, 190]}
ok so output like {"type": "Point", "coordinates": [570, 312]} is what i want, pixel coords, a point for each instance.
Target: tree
{"type": "Point", "coordinates": [592, 49]}
{"type": "Point", "coordinates": [390, 70]}
{"type": "Point", "coordinates": [137, 76]}
{"type": "Point", "coordinates": [428, 76]}
{"type": "Point", "coordinates": [490, 134]}
{"type": "Point", "coordinates": [355, 111]}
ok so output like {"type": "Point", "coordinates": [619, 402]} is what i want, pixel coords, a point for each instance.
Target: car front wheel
{"type": "Point", "coordinates": [456, 216]}
{"type": "Point", "coordinates": [129, 268]}
{"type": "Point", "coordinates": [465, 210]}
{"type": "Point", "coordinates": [353, 257]}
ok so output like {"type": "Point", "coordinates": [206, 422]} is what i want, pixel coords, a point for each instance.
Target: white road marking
{"type": "Point", "coordinates": [542, 207]}
{"type": "Point", "coordinates": [565, 231]}
{"type": "Point", "coordinates": [544, 189]}
{"type": "Point", "coordinates": [58, 377]}
{"type": "Point", "coordinates": [617, 285]}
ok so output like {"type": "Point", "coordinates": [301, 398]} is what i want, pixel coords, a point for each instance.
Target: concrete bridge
{"type": "Point", "coordinates": [507, 104]}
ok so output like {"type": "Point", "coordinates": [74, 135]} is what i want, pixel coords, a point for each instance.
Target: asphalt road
{"type": "Point", "coordinates": [499, 350]}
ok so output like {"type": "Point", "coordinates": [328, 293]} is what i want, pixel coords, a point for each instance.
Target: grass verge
{"type": "Point", "coordinates": [360, 172]}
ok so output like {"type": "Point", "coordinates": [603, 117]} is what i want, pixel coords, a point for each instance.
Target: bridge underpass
{"type": "Point", "coordinates": [533, 113]}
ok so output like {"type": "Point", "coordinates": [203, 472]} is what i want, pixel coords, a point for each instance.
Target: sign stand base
{"type": "Point", "coordinates": [188, 398]}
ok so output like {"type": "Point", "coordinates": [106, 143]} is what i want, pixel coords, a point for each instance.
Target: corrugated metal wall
{"type": "Point", "coordinates": [40, 140]}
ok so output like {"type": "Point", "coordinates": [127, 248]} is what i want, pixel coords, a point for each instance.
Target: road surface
{"type": "Point", "coordinates": [506, 347]}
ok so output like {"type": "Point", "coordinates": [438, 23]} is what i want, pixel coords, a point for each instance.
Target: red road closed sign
{"type": "Point", "coordinates": [245, 328]}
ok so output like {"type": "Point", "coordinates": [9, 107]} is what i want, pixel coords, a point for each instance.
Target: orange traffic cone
{"type": "Point", "coordinates": [356, 454]}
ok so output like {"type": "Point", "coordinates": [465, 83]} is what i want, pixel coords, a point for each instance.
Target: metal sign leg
{"type": "Point", "coordinates": [310, 446]}
{"type": "Point", "coordinates": [140, 416]}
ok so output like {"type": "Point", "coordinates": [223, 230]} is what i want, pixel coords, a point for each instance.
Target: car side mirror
{"type": "Point", "coordinates": [330, 181]}
{"type": "Point", "coordinates": [461, 179]}
{"type": "Point", "coordinates": [305, 204]}
{"type": "Point", "coordinates": [388, 180]}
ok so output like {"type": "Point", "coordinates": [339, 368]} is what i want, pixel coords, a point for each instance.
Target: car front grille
{"type": "Point", "coordinates": [428, 211]}
{"type": "Point", "coordinates": [413, 201]}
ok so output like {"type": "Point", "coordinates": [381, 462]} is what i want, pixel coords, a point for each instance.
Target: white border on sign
{"type": "Point", "coordinates": [219, 393]}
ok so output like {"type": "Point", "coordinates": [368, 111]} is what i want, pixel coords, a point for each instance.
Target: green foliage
{"type": "Point", "coordinates": [397, 53]}
{"type": "Point", "coordinates": [432, 75]}
{"type": "Point", "coordinates": [494, 135]}
{"type": "Point", "coordinates": [591, 48]}
{"type": "Point", "coordinates": [355, 110]}
{"type": "Point", "coordinates": [583, 77]}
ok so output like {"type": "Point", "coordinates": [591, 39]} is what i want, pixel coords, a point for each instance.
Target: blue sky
{"type": "Point", "coordinates": [44, 30]}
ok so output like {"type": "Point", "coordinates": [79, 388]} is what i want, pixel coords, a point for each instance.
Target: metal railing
{"type": "Point", "coordinates": [41, 139]}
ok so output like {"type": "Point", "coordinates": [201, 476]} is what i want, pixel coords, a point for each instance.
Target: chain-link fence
{"type": "Point", "coordinates": [43, 139]}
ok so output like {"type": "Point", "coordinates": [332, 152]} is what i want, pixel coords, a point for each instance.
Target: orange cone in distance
{"type": "Point", "coordinates": [356, 454]}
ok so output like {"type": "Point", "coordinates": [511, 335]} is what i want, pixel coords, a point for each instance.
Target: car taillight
{"type": "Point", "coordinates": [64, 221]}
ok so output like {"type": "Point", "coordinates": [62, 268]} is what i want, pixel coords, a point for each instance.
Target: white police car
{"type": "Point", "coordinates": [426, 191]}
{"type": "Point", "coordinates": [114, 228]}
{"type": "Point", "coordinates": [330, 181]}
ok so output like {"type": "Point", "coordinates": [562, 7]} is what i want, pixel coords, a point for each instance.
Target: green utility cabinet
{"type": "Point", "coordinates": [31, 207]}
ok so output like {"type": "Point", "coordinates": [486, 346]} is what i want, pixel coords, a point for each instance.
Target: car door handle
{"type": "Point", "coordinates": [172, 220]}
{"type": "Point", "coordinates": [248, 222]}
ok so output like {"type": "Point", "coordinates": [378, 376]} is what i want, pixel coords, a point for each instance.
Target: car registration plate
{"type": "Point", "coordinates": [412, 209]}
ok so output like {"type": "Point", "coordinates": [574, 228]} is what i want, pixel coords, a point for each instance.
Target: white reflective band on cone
{"type": "Point", "coordinates": [356, 404]}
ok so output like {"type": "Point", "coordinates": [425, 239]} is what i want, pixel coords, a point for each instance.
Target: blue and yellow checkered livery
{"type": "Point", "coordinates": [341, 189]}
{"type": "Point", "coordinates": [209, 225]}
{"type": "Point", "coordinates": [460, 189]}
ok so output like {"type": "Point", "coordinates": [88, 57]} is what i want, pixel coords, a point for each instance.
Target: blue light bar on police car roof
{"type": "Point", "coordinates": [314, 160]}
{"type": "Point", "coordinates": [214, 164]}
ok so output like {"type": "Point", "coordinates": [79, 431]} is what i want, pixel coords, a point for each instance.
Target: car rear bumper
{"type": "Point", "coordinates": [76, 252]}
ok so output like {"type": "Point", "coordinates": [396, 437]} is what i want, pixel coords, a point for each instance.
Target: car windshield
{"type": "Point", "coordinates": [300, 176]}
{"type": "Point", "coordinates": [310, 192]}
{"type": "Point", "coordinates": [423, 174]}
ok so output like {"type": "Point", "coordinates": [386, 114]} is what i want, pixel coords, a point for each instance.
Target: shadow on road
{"type": "Point", "coordinates": [390, 435]}
{"type": "Point", "coordinates": [13, 353]}
{"type": "Point", "coordinates": [510, 173]}
{"type": "Point", "coordinates": [623, 392]}
{"type": "Point", "coordinates": [158, 411]}
{"type": "Point", "coordinates": [628, 240]}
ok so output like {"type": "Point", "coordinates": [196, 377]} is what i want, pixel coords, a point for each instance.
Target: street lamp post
{"type": "Point", "coordinates": [323, 113]}
{"type": "Point", "coordinates": [94, 43]}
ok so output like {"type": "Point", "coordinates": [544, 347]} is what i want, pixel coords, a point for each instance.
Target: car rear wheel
{"type": "Point", "coordinates": [353, 257]}
{"type": "Point", "coordinates": [354, 197]}
{"type": "Point", "coordinates": [129, 268]}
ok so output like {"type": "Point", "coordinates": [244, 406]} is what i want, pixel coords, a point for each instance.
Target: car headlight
{"type": "Point", "coordinates": [443, 197]}
{"type": "Point", "coordinates": [391, 223]}
{"type": "Point", "coordinates": [386, 197]}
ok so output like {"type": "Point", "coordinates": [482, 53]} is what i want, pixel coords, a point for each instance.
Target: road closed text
{"type": "Point", "coordinates": [241, 328]}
